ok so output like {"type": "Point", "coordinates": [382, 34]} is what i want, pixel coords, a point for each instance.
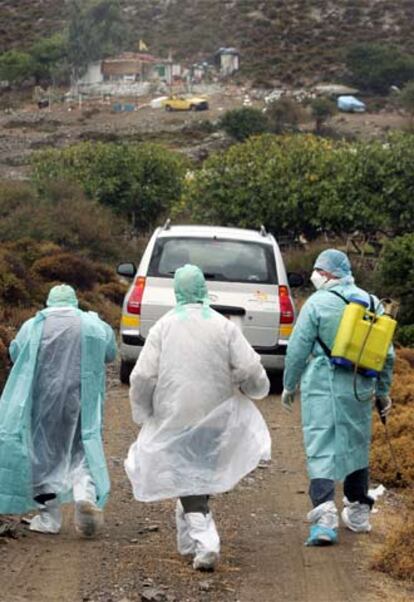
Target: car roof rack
{"type": "Point", "coordinates": [167, 224]}
{"type": "Point", "coordinates": [263, 231]}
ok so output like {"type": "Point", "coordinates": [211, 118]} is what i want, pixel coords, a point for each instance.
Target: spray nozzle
{"type": "Point", "coordinates": [391, 307]}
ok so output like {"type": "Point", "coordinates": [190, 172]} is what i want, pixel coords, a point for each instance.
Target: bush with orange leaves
{"type": "Point", "coordinates": [396, 556]}
{"type": "Point", "coordinates": [400, 426]}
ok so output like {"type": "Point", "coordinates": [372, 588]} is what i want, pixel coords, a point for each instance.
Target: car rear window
{"type": "Point", "coordinates": [219, 259]}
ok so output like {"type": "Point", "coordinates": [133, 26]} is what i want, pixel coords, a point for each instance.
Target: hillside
{"type": "Point", "coordinates": [286, 39]}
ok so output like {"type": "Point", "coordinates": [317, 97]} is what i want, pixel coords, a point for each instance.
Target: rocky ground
{"type": "Point", "coordinates": [261, 524]}
{"type": "Point", "coordinates": [26, 129]}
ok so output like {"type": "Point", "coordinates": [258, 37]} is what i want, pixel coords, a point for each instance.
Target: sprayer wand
{"type": "Point", "coordinates": [398, 473]}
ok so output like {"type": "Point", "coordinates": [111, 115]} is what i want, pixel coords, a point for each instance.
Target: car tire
{"type": "Point", "coordinates": [193, 107]}
{"type": "Point", "coordinates": [276, 382]}
{"type": "Point", "coordinates": [168, 108]}
{"type": "Point", "coordinates": [125, 372]}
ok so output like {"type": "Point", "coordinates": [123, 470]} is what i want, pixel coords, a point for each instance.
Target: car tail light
{"type": "Point", "coordinates": [287, 314]}
{"type": "Point", "coordinates": [135, 298]}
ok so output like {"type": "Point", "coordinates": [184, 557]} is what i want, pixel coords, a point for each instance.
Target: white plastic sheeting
{"type": "Point", "coordinates": [201, 434]}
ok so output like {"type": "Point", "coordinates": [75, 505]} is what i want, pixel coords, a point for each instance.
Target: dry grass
{"type": "Point", "coordinates": [400, 428]}
{"type": "Point", "coordinates": [396, 556]}
{"type": "Point", "coordinates": [28, 270]}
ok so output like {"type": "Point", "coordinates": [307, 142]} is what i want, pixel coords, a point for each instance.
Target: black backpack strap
{"type": "Point", "coordinates": [344, 299]}
{"type": "Point", "coordinates": [324, 347]}
{"type": "Point", "coordinates": [371, 304]}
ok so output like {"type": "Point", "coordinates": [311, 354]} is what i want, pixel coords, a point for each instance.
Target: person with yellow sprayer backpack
{"type": "Point", "coordinates": [336, 401]}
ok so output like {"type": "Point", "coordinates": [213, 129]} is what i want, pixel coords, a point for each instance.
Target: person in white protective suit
{"type": "Point", "coordinates": [336, 422]}
{"type": "Point", "coordinates": [51, 416]}
{"type": "Point", "coordinates": [201, 434]}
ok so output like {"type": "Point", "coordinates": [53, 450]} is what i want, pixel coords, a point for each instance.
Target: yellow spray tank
{"type": "Point", "coordinates": [363, 337]}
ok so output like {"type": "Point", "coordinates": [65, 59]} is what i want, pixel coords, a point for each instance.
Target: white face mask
{"type": "Point", "coordinates": [322, 282]}
{"type": "Point", "coordinates": [317, 279]}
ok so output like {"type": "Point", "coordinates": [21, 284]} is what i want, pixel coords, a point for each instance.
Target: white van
{"type": "Point", "coordinates": [246, 279]}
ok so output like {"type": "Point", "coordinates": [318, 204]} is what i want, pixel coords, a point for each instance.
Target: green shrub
{"type": "Point", "coordinates": [284, 115]}
{"type": "Point", "coordinates": [376, 67]}
{"type": "Point", "coordinates": [305, 184]}
{"type": "Point", "coordinates": [405, 335]}
{"type": "Point", "coordinates": [15, 66]}
{"type": "Point", "coordinates": [244, 122]}
{"type": "Point", "coordinates": [322, 109]}
{"type": "Point", "coordinates": [397, 272]}
{"type": "Point", "coordinates": [138, 181]}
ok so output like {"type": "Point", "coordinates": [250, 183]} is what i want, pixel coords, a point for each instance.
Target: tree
{"type": "Point", "coordinates": [244, 122]}
{"type": "Point", "coordinates": [15, 66]}
{"type": "Point", "coordinates": [96, 29]}
{"type": "Point", "coordinates": [139, 181]}
{"type": "Point", "coordinates": [284, 115]}
{"type": "Point", "coordinates": [376, 67]}
{"type": "Point", "coordinates": [322, 109]}
{"type": "Point", "coordinates": [397, 273]}
{"type": "Point", "coordinates": [306, 184]}
{"type": "Point", "coordinates": [406, 100]}
{"type": "Point", "coordinates": [48, 57]}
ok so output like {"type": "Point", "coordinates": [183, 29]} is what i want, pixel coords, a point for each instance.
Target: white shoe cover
{"type": "Point", "coordinates": [49, 520]}
{"type": "Point", "coordinates": [89, 519]}
{"type": "Point", "coordinates": [185, 544]}
{"type": "Point", "coordinates": [202, 530]}
{"type": "Point", "coordinates": [356, 517]}
{"type": "Point", "coordinates": [325, 515]}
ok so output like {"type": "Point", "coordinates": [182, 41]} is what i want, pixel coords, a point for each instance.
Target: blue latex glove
{"type": "Point", "coordinates": [288, 397]}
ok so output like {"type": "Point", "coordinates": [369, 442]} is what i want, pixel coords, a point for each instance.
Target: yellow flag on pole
{"type": "Point", "coordinates": [142, 46]}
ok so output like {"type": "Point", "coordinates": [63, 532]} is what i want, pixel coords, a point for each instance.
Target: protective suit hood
{"type": "Point", "coordinates": [62, 295]}
{"type": "Point", "coordinates": [335, 262]}
{"type": "Point", "coordinates": [190, 285]}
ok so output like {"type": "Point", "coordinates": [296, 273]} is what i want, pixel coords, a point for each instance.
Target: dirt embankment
{"type": "Point", "coordinates": [261, 524]}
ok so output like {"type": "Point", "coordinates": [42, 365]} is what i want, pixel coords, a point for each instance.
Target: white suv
{"type": "Point", "coordinates": [246, 279]}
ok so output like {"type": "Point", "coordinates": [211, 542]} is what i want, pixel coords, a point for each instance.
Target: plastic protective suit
{"type": "Point", "coordinates": [336, 425]}
{"type": "Point", "coordinates": [201, 433]}
{"type": "Point", "coordinates": [51, 408]}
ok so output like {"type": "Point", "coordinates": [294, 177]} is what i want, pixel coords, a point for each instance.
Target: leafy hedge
{"type": "Point", "coordinates": [138, 181]}
{"type": "Point", "coordinates": [396, 271]}
{"type": "Point", "coordinates": [306, 184]}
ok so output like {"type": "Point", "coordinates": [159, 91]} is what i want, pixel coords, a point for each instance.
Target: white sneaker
{"type": "Point", "coordinates": [185, 544]}
{"type": "Point", "coordinates": [49, 520]}
{"type": "Point", "coordinates": [356, 517]}
{"type": "Point", "coordinates": [89, 519]}
{"type": "Point", "coordinates": [203, 532]}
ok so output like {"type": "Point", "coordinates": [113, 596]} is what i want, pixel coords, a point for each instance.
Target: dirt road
{"type": "Point", "coordinates": [261, 523]}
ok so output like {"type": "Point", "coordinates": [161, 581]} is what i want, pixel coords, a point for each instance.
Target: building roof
{"type": "Point", "coordinates": [224, 50]}
{"type": "Point", "coordinates": [128, 57]}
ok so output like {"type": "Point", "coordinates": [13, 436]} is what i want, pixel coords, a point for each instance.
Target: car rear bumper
{"type": "Point", "coordinates": [273, 358]}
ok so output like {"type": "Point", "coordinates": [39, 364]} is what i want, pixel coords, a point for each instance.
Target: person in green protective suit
{"type": "Point", "coordinates": [336, 425]}
{"type": "Point", "coordinates": [51, 413]}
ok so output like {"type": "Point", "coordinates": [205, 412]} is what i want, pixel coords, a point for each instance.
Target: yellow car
{"type": "Point", "coordinates": [180, 103]}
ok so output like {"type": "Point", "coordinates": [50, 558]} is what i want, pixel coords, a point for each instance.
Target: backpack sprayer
{"type": "Point", "coordinates": [362, 342]}
{"type": "Point", "coordinates": [364, 337]}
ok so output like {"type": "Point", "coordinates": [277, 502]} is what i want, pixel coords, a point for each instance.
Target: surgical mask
{"type": "Point", "coordinates": [322, 282]}
{"type": "Point", "coordinates": [317, 279]}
